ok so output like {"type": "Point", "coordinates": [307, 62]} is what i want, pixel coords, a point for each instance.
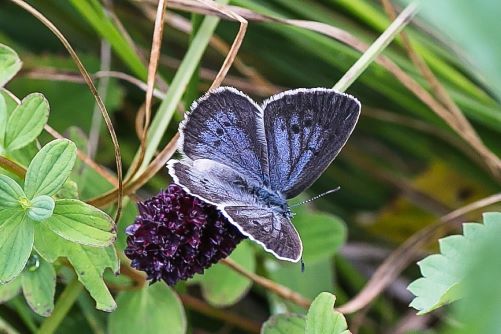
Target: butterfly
{"type": "Point", "coordinates": [249, 159]}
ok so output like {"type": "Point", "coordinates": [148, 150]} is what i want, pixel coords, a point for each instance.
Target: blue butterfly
{"type": "Point", "coordinates": [248, 159]}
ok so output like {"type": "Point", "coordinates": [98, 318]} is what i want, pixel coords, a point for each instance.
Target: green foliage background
{"type": "Point", "coordinates": [402, 171]}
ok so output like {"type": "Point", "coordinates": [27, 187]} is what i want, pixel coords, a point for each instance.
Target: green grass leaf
{"type": "Point", "coordinates": [50, 168]}
{"type": "Point", "coordinates": [153, 309]}
{"type": "Point", "coordinates": [443, 273]}
{"type": "Point", "coordinates": [95, 14]}
{"type": "Point", "coordinates": [284, 324]}
{"type": "Point", "coordinates": [322, 318]}
{"type": "Point", "coordinates": [39, 287]}
{"type": "Point", "coordinates": [16, 243]}
{"type": "Point", "coordinates": [10, 192]}
{"type": "Point", "coordinates": [41, 208]}
{"type": "Point", "coordinates": [222, 286]}
{"type": "Point", "coordinates": [26, 122]}
{"type": "Point", "coordinates": [10, 64]}
{"type": "Point", "coordinates": [89, 263]}
{"type": "Point", "coordinates": [82, 223]}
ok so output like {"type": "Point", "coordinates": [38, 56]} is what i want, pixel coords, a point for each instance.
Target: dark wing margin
{"type": "Point", "coordinates": [229, 191]}
{"type": "Point", "coordinates": [305, 130]}
{"type": "Point", "coordinates": [227, 126]}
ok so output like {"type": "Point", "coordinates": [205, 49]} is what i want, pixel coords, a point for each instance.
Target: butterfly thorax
{"type": "Point", "coordinates": [272, 199]}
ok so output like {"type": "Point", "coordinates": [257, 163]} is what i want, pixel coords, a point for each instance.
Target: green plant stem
{"type": "Point", "coordinates": [191, 93]}
{"type": "Point", "coordinates": [63, 305]}
{"type": "Point", "coordinates": [24, 312]}
{"type": "Point", "coordinates": [377, 47]}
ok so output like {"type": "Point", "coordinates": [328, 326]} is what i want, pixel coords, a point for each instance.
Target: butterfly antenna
{"type": "Point", "coordinates": [316, 197]}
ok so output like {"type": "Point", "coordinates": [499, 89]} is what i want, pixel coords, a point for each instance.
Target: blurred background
{"type": "Point", "coordinates": [425, 145]}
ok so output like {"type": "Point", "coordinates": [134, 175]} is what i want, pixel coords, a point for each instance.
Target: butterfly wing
{"type": "Point", "coordinates": [232, 193]}
{"type": "Point", "coordinates": [227, 126]}
{"type": "Point", "coordinates": [305, 130]}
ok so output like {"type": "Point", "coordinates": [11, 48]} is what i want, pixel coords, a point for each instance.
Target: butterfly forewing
{"type": "Point", "coordinates": [226, 126]}
{"type": "Point", "coordinates": [305, 130]}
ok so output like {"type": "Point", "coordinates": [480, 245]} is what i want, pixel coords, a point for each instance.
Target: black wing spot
{"type": "Point", "coordinates": [217, 143]}
{"type": "Point", "coordinates": [295, 128]}
{"type": "Point", "coordinates": [308, 122]}
{"type": "Point", "coordinates": [219, 131]}
{"type": "Point", "coordinates": [226, 123]}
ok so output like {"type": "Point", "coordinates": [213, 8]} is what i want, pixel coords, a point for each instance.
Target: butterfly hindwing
{"type": "Point", "coordinates": [271, 229]}
{"type": "Point", "coordinates": [233, 195]}
{"type": "Point", "coordinates": [305, 130]}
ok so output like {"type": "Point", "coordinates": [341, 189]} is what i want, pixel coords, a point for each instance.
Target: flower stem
{"type": "Point", "coordinates": [63, 305]}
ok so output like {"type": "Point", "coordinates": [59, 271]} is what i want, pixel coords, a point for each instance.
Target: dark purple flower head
{"type": "Point", "coordinates": [177, 235]}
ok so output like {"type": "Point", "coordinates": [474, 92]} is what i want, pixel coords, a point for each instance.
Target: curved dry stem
{"type": "Point", "coordinates": [237, 42]}
{"type": "Point", "coordinates": [157, 164]}
{"type": "Point", "coordinates": [12, 167]}
{"type": "Point", "coordinates": [224, 315]}
{"type": "Point", "coordinates": [268, 284]}
{"type": "Point", "coordinates": [52, 74]}
{"type": "Point", "coordinates": [93, 90]}
{"type": "Point", "coordinates": [145, 115]}
{"type": "Point", "coordinates": [391, 268]}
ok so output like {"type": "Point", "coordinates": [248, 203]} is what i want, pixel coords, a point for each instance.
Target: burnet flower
{"type": "Point", "coordinates": [177, 235]}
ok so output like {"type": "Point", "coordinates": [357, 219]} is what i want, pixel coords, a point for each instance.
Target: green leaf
{"type": "Point", "coordinates": [89, 263]}
{"type": "Point", "coordinates": [39, 287]}
{"type": "Point", "coordinates": [284, 324]}
{"type": "Point", "coordinates": [157, 303]}
{"type": "Point", "coordinates": [26, 122]}
{"type": "Point", "coordinates": [10, 64]}
{"type": "Point", "coordinates": [41, 208]}
{"type": "Point", "coordinates": [10, 290]}
{"type": "Point", "coordinates": [323, 319]}
{"type": "Point", "coordinates": [473, 34]}
{"type": "Point", "coordinates": [8, 103]}
{"type": "Point", "coordinates": [222, 286]}
{"type": "Point", "coordinates": [82, 223]}
{"type": "Point", "coordinates": [322, 234]}
{"type": "Point", "coordinates": [50, 168]}
{"type": "Point", "coordinates": [317, 277]}
{"type": "Point", "coordinates": [15, 244]}
{"type": "Point", "coordinates": [443, 273]}
{"type": "Point", "coordinates": [10, 192]}
{"type": "Point", "coordinates": [479, 309]}
{"type": "Point", "coordinates": [3, 121]}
